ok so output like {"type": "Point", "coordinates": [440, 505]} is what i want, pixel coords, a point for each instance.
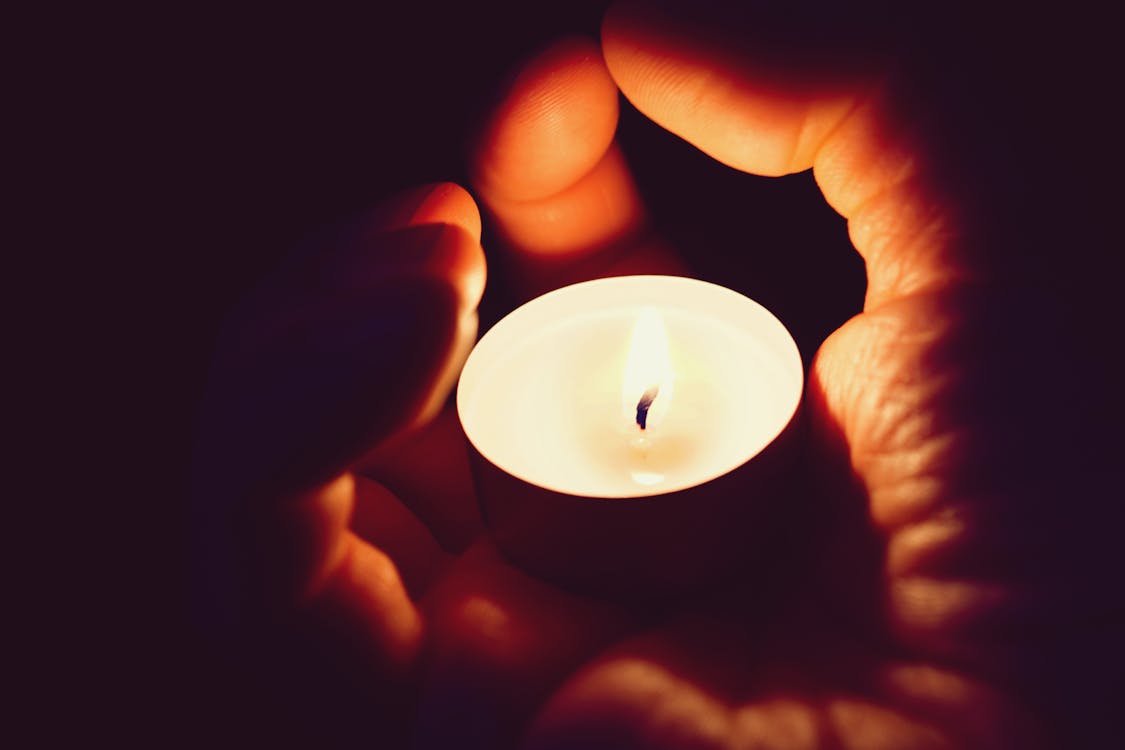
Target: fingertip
{"type": "Point", "coordinates": [295, 542]}
{"type": "Point", "coordinates": [433, 203]}
{"type": "Point", "coordinates": [432, 230]}
{"type": "Point", "coordinates": [449, 203]}
{"type": "Point", "coordinates": [600, 209]}
{"type": "Point", "coordinates": [471, 270]}
{"type": "Point", "coordinates": [367, 598]}
{"type": "Point", "coordinates": [753, 93]}
{"type": "Point", "coordinates": [554, 122]}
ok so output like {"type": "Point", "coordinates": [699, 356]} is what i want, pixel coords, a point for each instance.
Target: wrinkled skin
{"type": "Point", "coordinates": [958, 590]}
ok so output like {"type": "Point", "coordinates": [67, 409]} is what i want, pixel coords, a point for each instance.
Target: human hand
{"type": "Point", "coordinates": [914, 397]}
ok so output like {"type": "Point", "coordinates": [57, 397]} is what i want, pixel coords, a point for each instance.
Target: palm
{"type": "Point", "coordinates": [822, 663]}
{"type": "Point", "coordinates": [787, 670]}
{"type": "Point", "coordinates": [939, 600]}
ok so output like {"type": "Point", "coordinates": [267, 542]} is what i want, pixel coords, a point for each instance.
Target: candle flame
{"type": "Point", "coordinates": [646, 388]}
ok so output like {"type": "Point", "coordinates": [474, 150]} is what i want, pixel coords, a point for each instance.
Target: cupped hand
{"type": "Point", "coordinates": [960, 597]}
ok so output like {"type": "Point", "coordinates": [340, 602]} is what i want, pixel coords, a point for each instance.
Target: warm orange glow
{"type": "Point", "coordinates": [648, 371]}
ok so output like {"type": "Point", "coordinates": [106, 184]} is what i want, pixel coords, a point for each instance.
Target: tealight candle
{"type": "Point", "coordinates": [626, 431]}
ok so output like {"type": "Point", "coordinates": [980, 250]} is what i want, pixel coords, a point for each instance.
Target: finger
{"type": "Point", "coordinates": [775, 95]}
{"type": "Point", "coordinates": [331, 377]}
{"type": "Point", "coordinates": [553, 124]}
{"type": "Point", "coordinates": [499, 642]}
{"type": "Point", "coordinates": [757, 92]}
{"type": "Point", "coordinates": [429, 471]}
{"type": "Point", "coordinates": [339, 353]}
{"type": "Point", "coordinates": [434, 203]}
{"type": "Point", "coordinates": [383, 521]}
{"type": "Point", "coordinates": [437, 203]}
{"type": "Point", "coordinates": [288, 415]}
{"type": "Point", "coordinates": [333, 634]}
{"type": "Point", "coordinates": [428, 468]}
{"type": "Point", "coordinates": [317, 563]}
{"type": "Point", "coordinates": [321, 364]}
{"type": "Point", "coordinates": [703, 683]}
{"type": "Point", "coordinates": [547, 168]}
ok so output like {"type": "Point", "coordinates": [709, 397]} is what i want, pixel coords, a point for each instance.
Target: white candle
{"type": "Point", "coordinates": [629, 435]}
{"type": "Point", "coordinates": [550, 394]}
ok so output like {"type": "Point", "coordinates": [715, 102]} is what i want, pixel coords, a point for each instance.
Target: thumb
{"type": "Point", "coordinates": [339, 351]}
{"type": "Point", "coordinates": [316, 369]}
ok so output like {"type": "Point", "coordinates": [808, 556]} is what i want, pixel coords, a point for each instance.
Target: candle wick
{"type": "Point", "coordinates": [643, 405]}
